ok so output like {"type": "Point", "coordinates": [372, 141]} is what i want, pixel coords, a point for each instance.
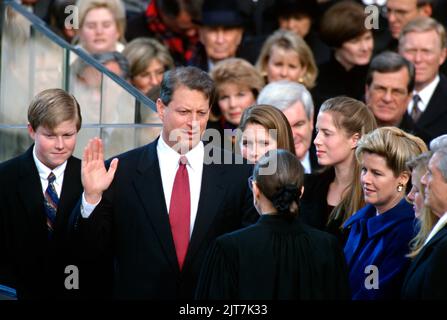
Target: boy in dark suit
{"type": "Point", "coordinates": [39, 189]}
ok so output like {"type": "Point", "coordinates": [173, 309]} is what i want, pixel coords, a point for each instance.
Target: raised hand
{"type": "Point", "coordinates": [95, 178]}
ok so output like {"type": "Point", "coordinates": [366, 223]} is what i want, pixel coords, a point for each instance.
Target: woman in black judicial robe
{"type": "Point", "coordinates": [278, 257]}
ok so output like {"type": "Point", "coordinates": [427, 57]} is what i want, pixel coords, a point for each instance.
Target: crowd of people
{"type": "Point", "coordinates": [339, 129]}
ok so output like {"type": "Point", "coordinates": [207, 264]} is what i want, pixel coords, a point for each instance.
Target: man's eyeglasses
{"type": "Point", "coordinates": [395, 93]}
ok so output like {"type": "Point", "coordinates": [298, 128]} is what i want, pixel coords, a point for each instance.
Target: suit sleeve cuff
{"type": "Point", "coordinates": [87, 208]}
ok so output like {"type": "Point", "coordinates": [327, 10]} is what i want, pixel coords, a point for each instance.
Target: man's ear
{"type": "Point", "coordinates": [426, 10]}
{"type": "Point", "coordinates": [31, 131]}
{"type": "Point", "coordinates": [443, 56]}
{"type": "Point", "coordinates": [202, 32]}
{"type": "Point", "coordinates": [302, 192]}
{"type": "Point", "coordinates": [256, 191]}
{"type": "Point", "coordinates": [160, 109]}
{"type": "Point", "coordinates": [239, 36]}
{"type": "Point", "coordinates": [366, 94]}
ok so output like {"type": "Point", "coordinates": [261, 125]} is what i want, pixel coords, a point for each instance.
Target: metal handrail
{"type": "Point", "coordinates": [41, 26]}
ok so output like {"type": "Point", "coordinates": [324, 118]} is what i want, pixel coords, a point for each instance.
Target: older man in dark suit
{"type": "Point", "coordinates": [423, 42]}
{"type": "Point", "coordinates": [160, 208]}
{"type": "Point", "coordinates": [388, 90]}
{"type": "Point", "coordinates": [426, 278]}
{"type": "Point", "coordinates": [40, 188]}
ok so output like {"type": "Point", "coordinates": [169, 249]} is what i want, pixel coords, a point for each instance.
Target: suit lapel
{"type": "Point", "coordinates": [407, 124]}
{"type": "Point", "coordinates": [30, 188]}
{"type": "Point", "coordinates": [211, 196]}
{"type": "Point", "coordinates": [426, 250]}
{"type": "Point", "coordinates": [313, 158]}
{"type": "Point", "coordinates": [148, 186]}
{"type": "Point", "coordinates": [70, 192]}
{"type": "Point", "coordinates": [434, 109]}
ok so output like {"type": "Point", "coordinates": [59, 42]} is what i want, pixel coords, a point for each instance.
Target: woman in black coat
{"type": "Point", "coordinates": [278, 257]}
{"type": "Point", "coordinates": [332, 196]}
{"type": "Point", "coordinates": [343, 29]}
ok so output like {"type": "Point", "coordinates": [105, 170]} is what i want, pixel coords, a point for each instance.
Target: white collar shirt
{"type": "Point", "coordinates": [425, 95]}
{"type": "Point", "coordinates": [44, 172]}
{"type": "Point", "coordinates": [168, 160]}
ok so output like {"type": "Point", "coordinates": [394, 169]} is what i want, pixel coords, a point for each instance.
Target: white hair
{"type": "Point", "coordinates": [438, 143]}
{"type": "Point", "coordinates": [442, 164]}
{"type": "Point", "coordinates": [282, 94]}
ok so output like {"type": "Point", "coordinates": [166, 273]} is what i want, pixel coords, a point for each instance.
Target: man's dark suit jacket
{"type": "Point", "coordinates": [132, 223]}
{"type": "Point", "coordinates": [29, 261]}
{"type": "Point", "coordinates": [407, 124]}
{"type": "Point", "coordinates": [427, 277]}
{"type": "Point", "coordinates": [433, 121]}
{"type": "Point", "coordinates": [314, 165]}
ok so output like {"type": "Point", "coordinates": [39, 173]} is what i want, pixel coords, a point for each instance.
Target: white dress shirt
{"type": "Point", "coordinates": [306, 163]}
{"type": "Point", "coordinates": [425, 95]}
{"type": "Point", "coordinates": [44, 172]}
{"type": "Point", "coordinates": [379, 3]}
{"type": "Point", "coordinates": [210, 65]}
{"type": "Point", "coordinates": [168, 160]}
{"type": "Point", "coordinates": [438, 226]}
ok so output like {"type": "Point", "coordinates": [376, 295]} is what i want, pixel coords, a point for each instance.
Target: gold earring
{"type": "Point", "coordinates": [301, 80]}
{"type": "Point", "coordinates": [400, 187]}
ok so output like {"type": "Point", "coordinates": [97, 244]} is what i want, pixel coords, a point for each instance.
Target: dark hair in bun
{"type": "Point", "coordinates": [280, 176]}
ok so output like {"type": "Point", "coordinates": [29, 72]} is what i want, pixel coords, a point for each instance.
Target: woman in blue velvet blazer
{"type": "Point", "coordinates": [381, 231]}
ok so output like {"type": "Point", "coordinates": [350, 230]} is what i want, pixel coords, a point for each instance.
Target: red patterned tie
{"type": "Point", "coordinates": [179, 211]}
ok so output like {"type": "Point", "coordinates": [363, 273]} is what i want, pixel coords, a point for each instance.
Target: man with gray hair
{"type": "Point", "coordinates": [423, 42]}
{"type": "Point", "coordinates": [438, 143]}
{"type": "Point", "coordinates": [426, 278]}
{"type": "Point", "coordinates": [295, 101]}
{"type": "Point", "coordinates": [389, 84]}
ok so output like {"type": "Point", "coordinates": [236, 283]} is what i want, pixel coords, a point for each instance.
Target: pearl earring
{"type": "Point", "coordinates": [400, 187]}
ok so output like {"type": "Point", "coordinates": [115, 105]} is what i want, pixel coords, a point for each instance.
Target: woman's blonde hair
{"type": "Point", "coordinates": [288, 40]}
{"type": "Point", "coordinates": [396, 146]}
{"type": "Point", "coordinates": [353, 117]}
{"type": "Point", "coordinates": [239, 72]}
{"type": "Point", "coordinates": [427, 219]}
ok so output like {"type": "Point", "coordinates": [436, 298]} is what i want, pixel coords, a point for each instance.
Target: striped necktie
{"type": "Point", "coordinates": [51, 202]}
{"type": "Point", "coordinates": [416, 112]}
